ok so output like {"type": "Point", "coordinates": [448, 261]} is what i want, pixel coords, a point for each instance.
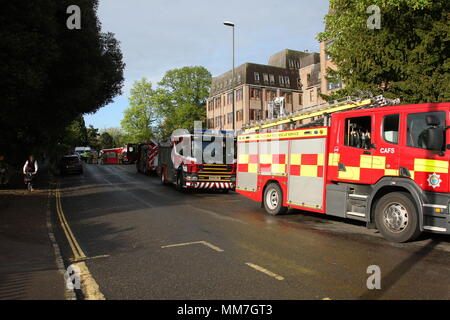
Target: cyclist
{"type": "Point", "coordinates": [29, 170]}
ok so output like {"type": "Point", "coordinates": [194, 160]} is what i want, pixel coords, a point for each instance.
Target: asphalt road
{"type": "Point", "coordinates": [126, 224]}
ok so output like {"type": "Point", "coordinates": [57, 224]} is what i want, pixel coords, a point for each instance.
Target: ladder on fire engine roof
{"type": "Point", "coordinates": [320, 110]}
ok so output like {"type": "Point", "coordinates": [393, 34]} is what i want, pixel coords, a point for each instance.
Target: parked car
{"type": "Point", "coordinates": [70, 164]}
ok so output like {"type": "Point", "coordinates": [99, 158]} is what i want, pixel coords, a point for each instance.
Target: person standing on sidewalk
{"type": "Point", "coordinates": [30, 169]}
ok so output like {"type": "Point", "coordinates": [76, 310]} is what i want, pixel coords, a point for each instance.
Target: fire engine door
{"type": "Point", "coordinates": [356, 160]}
{"type": "Point", "coordinates": [306, 168]}
{"type": "Point", "coordinates": [385, 154]}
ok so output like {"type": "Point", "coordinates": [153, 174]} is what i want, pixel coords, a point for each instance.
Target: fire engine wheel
{"type": "Point", "coordinates": [180, 181]}
{"type": "Point", "coordinates": [273, 200]}
{"type": "Point", "coordinates": [396, 217]}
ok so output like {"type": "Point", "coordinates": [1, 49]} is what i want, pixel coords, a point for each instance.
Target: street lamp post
{"type": "Point", "coordinates": [231, 24]}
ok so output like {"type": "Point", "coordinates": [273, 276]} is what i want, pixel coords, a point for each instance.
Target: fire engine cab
{"type": "Point", "coordinates": [182, 161]}
{"type": "Point", "coordinates": [385, 165]}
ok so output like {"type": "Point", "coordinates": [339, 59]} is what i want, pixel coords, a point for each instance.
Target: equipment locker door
{"type": "Point", "coordinates": [306, 173]}
{"type": "Point", "coordinates": [247, 166]}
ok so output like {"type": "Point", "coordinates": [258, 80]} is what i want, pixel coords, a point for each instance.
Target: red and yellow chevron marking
{"type": "Point", "coordinates": [307, 165]}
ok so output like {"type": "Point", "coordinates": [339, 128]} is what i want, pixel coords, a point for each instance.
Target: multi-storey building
{"type": "Point", "coordinates": [255, 85]}
{"type": "Point", "coordinates": [327, 86]}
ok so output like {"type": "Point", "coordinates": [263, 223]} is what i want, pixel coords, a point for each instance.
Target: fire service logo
{"type": "Point", "coordinates": [434, 180]}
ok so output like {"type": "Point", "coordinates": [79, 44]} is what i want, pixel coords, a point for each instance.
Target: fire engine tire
{"type": "Point", "coordinates": [180, 181]}
{"type": "Point", "coordinates": [396, 217]}
{"type": "Point", "coordinates": [273, 200]}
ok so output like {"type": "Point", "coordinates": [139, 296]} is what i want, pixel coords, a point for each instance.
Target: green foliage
{"type": "Point", "coordinates": [119, 137]}
{"type": "Point", "coordinates": [407, 58]}
{"type": "Point", "coordinates": [181, 98]}
{"type": "Point", "coordinates": [51, 75]}
{"type": "Point", "coordinates": [178, 101]}
{"type": "Point", "coordinates": [139, 119]}
{"type": "Point", "coordinates": [106, 140]}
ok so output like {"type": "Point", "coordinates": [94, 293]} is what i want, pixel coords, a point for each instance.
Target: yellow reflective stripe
{"type": "Point", "coordinates": [252, 168]}
{"type": "Point", "coordinates": [265, 158]}
{"type": "Point", "coordinates": [308, 171]}
{"type": "Point", "coordinates": [351, 173]}
{"type": "Point", "coordinates": [296, 159]}
{"type": "Point", "coordinates": [378, 162]}
{"type": "Point", "coordinates": [391, 172]}
{"type": "Point", "coordinates": [278, 168]}
{"type": "Point", "coordinates": [333, 159]}
{"type": "Point", "coordinates": [365, 162]}
{"type": "Point", "coordinates": [320, 161]}
{"type": "Point", "coordinates": [429, 165]}
{"type": "Point", "coordinates": [243, 158]}
{"type": "Point", "coordinates": [290, 134]}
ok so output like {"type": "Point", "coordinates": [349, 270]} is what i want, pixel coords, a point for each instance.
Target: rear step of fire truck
{"type": "Point", "coordinates": [318, 111]}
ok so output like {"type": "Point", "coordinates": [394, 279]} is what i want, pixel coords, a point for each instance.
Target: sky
{"type": "Point", "coordinates": [159, 35]}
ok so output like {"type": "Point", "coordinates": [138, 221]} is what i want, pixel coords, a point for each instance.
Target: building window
{"type": "Point", "coordinates": [256, 76]}
{"type": "Point", "coordinates": [270, 95]}
{"type": "Point", "coordinates": [311, 95]}
{"type": "Point", "coordinates": [281, 79]}
{"type": "Point", "coordinates": [291, 63]}
{"type": "Point", "coordinates": [288, 97]}
{"type": "Point", "coordinates": [252, 114]}
{"type": "Point", "coordinates": [266, 78]}
{"type": "Point", "coordinates": [332, 85]}
{"type": "Point", "coordinates": [239, 94]}
{"type": "Point", "coordinates": [230, 98]}
{"type": "Point", "coordinates": [287, 81]}
{"type": "Point", "coordinates": [230, 117]}
{"type": "Point", "coordinates": [272, 78]}
{"type": "Point", "coordinates": [255, 93]}
{"type": "Point", "coordinates": [300, 99]}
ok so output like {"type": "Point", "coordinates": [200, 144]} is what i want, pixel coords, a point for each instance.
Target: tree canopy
{"type": "Point", "coordinates": [408, 57]}
{"type": "Point", "coordinates": [50, 75]}
{"type": "Point", "coordinates": [140, 118]}
{"type": "Point", "coordinates": [177, 102]}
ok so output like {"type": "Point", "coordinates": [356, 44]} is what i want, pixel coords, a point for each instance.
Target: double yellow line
{"type": "Point", "coordinates": [76, 249]}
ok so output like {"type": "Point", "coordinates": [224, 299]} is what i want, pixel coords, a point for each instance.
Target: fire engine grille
{"type": "Point", "coordinates": [215, 172]}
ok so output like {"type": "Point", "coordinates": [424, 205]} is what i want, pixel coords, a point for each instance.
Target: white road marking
{"type": "Point", "coordinates": [205, 243]}
{"type": "Point", "coordinates": [263, 270]}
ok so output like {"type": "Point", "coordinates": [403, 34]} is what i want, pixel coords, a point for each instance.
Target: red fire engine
{"type": "Point", "coordinates": [147, 157]}
{"type": "Point", "coordinates": [111, 156]}
{"type": "Point", "coordinates": [187, 172]}
{"type": "Point", "coordinates": [387, 166]}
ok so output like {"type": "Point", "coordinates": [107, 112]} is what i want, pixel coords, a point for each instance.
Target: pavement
{"type": "Point", "coordinates": [138, 239]}
{"type": "Point", "coordinates": [28, 268]}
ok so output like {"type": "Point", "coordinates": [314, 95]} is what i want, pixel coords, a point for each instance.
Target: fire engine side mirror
{"type": "Point", "coordinates": [435, 139]}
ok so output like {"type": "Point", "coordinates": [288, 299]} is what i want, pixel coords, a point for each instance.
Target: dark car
{"type": "Point", "coordinates": [71, 164]}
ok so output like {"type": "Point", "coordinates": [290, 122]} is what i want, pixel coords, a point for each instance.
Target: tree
{"type": "Point", "coordinates": [106, 140]}
{"type": "Point", "coordinates": [140, 118]}
{"type": "Point", "coordinates": [119, 138]}
{"type": "Point", "coordinates": [50, 75]}
{"type": "Point", "coordinates": [181, 98]}
{"type": "Point", "coordinates": [408, 57]}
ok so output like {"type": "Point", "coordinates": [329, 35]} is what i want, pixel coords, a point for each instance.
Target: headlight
{"type": "Point", "coordinates": [194, 178]}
